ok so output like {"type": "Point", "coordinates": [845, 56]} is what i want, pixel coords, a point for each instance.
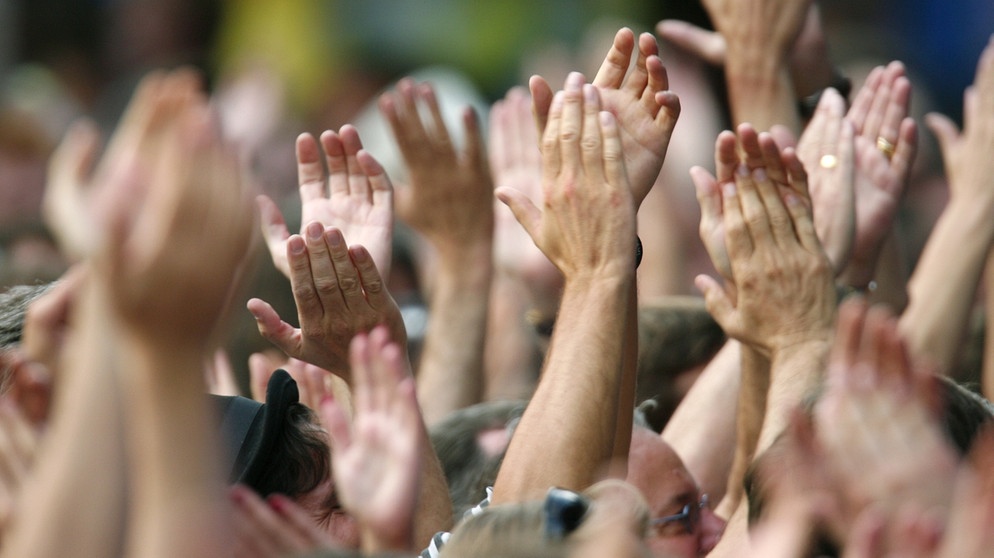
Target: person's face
{"type": "Point", "coordinates": [659, 473]}
{"type": "Point", "coordinates": [323, 505]}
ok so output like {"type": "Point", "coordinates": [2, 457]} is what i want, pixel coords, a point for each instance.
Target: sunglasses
{"type": "Point", "coordinates": [688, 518]}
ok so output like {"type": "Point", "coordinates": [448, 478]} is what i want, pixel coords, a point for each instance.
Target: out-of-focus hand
{"type": "Point", "coordinates": [219, 375]}
{"type": "Point", "coordinates": [781, 292]}
{"type": "Point", "coordinates": [967, 154]}
{"type": "Point", "coordinates": [176, 220]}
{"type": "Point", "coordinates": [18, 446]}
{"type": "Point", "coordinates": [47, 320]}
{"type": "Point", "coordinates": [375, 459]}
{"type": "Point", "coordinates": [516, 162]}
{"type": "Point", "coordinates": [877, 419]}
{"type": "Point", "coordinates": [276, 526]}
{"type": "Point", "coordinates": [450, 196]}
{"type": "Point", "coordinates": [645, 109]}
{"type": "Point", "coordinates": [339, 293]}
{"type": "Point", "coordinates": [355, 196]}
{"type": "Point", "coordinates": [886, 144]}
{"type": "Point", "coordinates": [827, 150]}
{"type": "Point", "coordinates": [586, 225]}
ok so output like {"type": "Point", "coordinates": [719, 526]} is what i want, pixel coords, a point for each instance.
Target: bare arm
{"type": "Point", "coordinates": [941, 290]}
{"type": "Point", "coordinates": [450, 202]}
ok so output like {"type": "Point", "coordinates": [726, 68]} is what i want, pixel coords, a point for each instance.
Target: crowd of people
{"type": "Point", "coordinates": [814, 401]}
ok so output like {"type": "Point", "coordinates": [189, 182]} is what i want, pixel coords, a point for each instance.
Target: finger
{"type": "Point", "coordinates": [379, 182]}
{"type": "Point", "coordinates": [591, 149]}
{"type": "Point", "coordinates": [613, 155]}
{"type": "Point", "coordinates": [335, 419]}
{"type": "Point", "coordinates": [612, 72]}
{"type": "Point", "coordinates": [520, 125]}
{"type": "Point", "coordinates": [267, 521]}
{"type": "Point", "coordinates": [896, 109]}
{"type": "Point", "coordinates": [779, 221]}
{"type": "Point", "coordinates": [383, 379]}
{"type": "Point", "coordinates": [726, 158]}
{"type": "Point", "coordinates": [523, 209]}
{"type": "Point", "coordinates": [748, 139]}
{"type": "Point", "coordinates": [878, 107]}
{"type": "Point", "coordinates": [864, 99]}
{"type": "Point", "coordinates": [298, 519]}
{"type": "Point", "coordinates": [804, 227]}
{"type": "Point", "coordinates": [358, 183]}
{"type": "Point", "coordinates": [551, 150]}
{"type": "Point", "coordinates": [866, 540]}
{"type": "Point", "coordinates": [784, 136]}
{"type": "Point", "coordinates": [338, 168]}
{"type": "Point", "coordinates": [848, 332]}
{"type": "Point", "coordinates": [737, 240]}
{"type": "Point", "coordinates": [756, 220]}
{"type": "Point", "coordinates": [310, 171]}
{"type": "Point", "coordinates": [906, 150]}
{"type": "Point", "coordinates": [272, 328]}
{"type": "Point", "coordinates": [322, 275]}
{"type": "Point", "coordinates": [501, 130]}
{"type": "Point", "coordinates": [348, 278]}
{"type": "Point", "coordinates": [372, 284]}
{"type": "Point", "coordinates": [542, 97]}
{"type": "Point", "coordinates": [474, 154]}
{"type": "Point", "coordinates": [360, 361]}
{"type": "Point", "coordinates": [706, 45]}
{"type": "Point", "coordinates": [571, 126]}
{"type": "Point", "coordinates": [717, 302]}
{"type": "Point", "coordinates": [772, 160]}
{"type": "Point", "coordinates": [638, 77]}
{"type": "Point", "coordinates": [439, 132]}
{"type": "Point", "coordinates": [658, 81]}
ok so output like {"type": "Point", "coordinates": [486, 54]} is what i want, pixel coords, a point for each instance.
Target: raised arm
{"type": "Point", "coordinates": [942, 288]}
{"type": "Point", "coordinates": [587, 228]}
{"type": "Point", "coordinates": [450, 201]}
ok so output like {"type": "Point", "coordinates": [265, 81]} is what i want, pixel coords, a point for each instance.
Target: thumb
{"type": "Point", "coordinates": [717, 302]}
{"type": "Point", "coordinates": [706, 45]}
{"type": "Point", "coordinates": [945, 131]}
{"type": "Point", "coordinates": [524, 210]}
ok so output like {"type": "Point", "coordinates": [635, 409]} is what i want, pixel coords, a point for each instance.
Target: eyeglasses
{"type": "Point", "coordinates": [564, 512]}
{"type": "Point", "coordinates": [688, 518]}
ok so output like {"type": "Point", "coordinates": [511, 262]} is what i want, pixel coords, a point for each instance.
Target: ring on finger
{"type": "Point", "coordinates": [885, 147]}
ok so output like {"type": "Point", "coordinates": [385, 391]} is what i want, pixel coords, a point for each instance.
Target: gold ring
{"type": "Point", "coordinates": [828, 161]}
{"type": "Point", "coordinates": [885, 147]}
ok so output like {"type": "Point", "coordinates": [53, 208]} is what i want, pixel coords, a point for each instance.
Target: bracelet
{"type": "Point", "coordinates": [638, 251]}
{"type": "Point", "coordinates": [808, 105]}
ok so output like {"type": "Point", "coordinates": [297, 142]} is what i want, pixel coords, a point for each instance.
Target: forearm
{"type": "Point", "coordinates": [626, 389]}
{"type": "Point", "coordinates": [748, 422]}
{"type": "Point", "coordinates": [795, 373]}
{"type": "Point", "coordinates": [433, 513]}
{"type": "Point", "coordinates": [760, 90]}
{"type": "Point", "coordinates": [450, 375]}
{"type": "Point", "coordinates": [987, 379]}
{"type": "Point", "coordinates": [941, 291]}
{"type": "Point", "coordinates": [511, 353]}
{"type": "Point", "coordinates": [702, 429]}
{"type": "Point", "coordinates": [75, 502]}
{"type": "Point", "coordinates": [582, 371]}
{"type": "Point", "coordinates": [177, 495]}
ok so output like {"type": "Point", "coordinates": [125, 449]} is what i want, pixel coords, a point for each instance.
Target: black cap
{"type": "Point", "coordinates": [250, 429]}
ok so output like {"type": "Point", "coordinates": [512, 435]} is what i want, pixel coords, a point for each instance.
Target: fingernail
{"type": "Point", "coordinates": [742, 171]}
{"type": "Point", "coordinates": [792, 200]}
{"type": "Point", "coordinates": [759, 175]}
{"type": "Point", "coordinates": [607, 119]}
{"type": "Point", "coordinates": [296, 244]}
{"type": "Point", "coordinates": [574, 81]}
{"type": "Point", "coordinates": [589, 93]}
{"type": "Point", "coordinates": [335, 238]}
{"type": "Point", "coordinates": [360, 254]}
{"type": "Point", "coordinates": [728, 189]}
{"type": "Point", "coordinates": [276, 502]}
{"type": "Point", "coordinates": [314, 231]}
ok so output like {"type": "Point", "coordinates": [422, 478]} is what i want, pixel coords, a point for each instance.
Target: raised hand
{"type": "Point", "coordinates": [587, 221]}
{"type": "Point", "coordinates": [354, 195]}
{"type": "Point", "coordinates": [886, 144]}
{"type": "Point", "coordinates": [450, 196]}
{"type": "Point", "coordinates": [516, 162]}
{"type": "Point", "coordinates": [781, 292]}
{"type": "Point", "coordinates": [877, 419]}
{"type": "Point", "coordinates": [827, 150]}
{"type": "Point", "coordinates": [376, 459]}
{"type": "Point", "coordinates": [645, 109]}
{"type": "Point", "coordinates": [339, 293]}
{"type": "Point", "coordinates": [276, 526]}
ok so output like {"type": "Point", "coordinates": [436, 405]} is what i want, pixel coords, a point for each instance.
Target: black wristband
{"type": "Point", "coordinates": [638, 251]}
{"type": "Point", "coordinates": [808, 105]}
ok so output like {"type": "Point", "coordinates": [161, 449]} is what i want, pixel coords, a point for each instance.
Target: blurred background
{"type": "Point", "coordinates": [280, 67]}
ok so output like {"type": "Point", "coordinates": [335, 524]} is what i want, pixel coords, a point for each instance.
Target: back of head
{"type": "Point", "coordinates": [505, 531]}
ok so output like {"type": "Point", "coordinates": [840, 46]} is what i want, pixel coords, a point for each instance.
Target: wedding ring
{"type": "Point", "coordinates": [828, 161]}
{"type": "Point", "coordinates": [885, 147]}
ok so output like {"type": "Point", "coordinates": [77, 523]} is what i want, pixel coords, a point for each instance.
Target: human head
{"type": "Point", "coordinates": [280, 447]}
{"type": "Point", "coordinates": [564, 524]}
{"type": "Point", "coordinates": [660, 475]}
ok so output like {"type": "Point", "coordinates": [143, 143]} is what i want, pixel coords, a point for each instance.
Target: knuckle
{"type": "Point", "coordinates": [303, 291]}
{"type": "Point", "coordinates": [591, 144]}
{"type": "Point", "coordinates": [325, 286]}
{"type": "Point", "coordinates": [349, 285]}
